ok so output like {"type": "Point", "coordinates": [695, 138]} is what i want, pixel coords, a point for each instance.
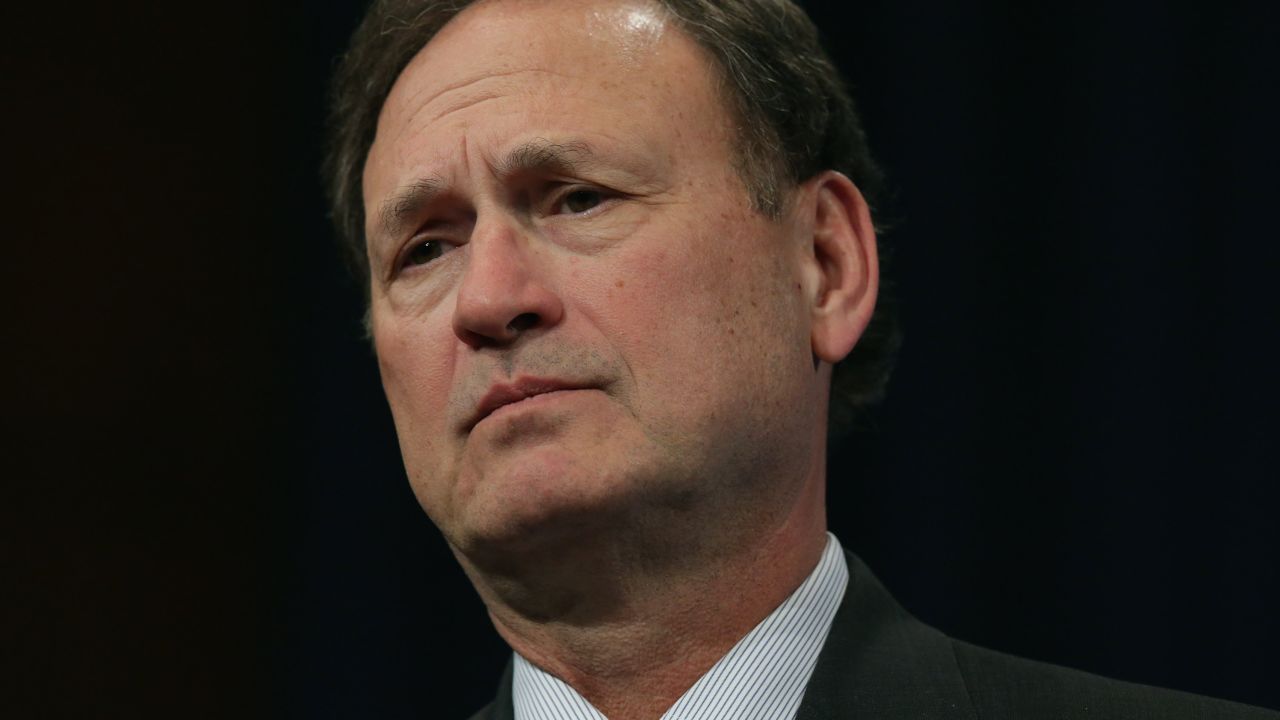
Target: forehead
{"type": "Point", "coordinates": [607, 30]}
{"type": "Point", "coordinates": [617, 67]}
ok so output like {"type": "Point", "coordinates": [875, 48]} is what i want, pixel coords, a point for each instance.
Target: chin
{"type": "Point", "coordinates": [540, 497]}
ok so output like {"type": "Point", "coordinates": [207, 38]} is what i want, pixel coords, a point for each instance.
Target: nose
{"type": "Point", "coordinates": [504, 292]}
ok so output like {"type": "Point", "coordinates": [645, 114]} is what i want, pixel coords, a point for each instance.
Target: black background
{"type": "Point", "coordinates": [204, 513]}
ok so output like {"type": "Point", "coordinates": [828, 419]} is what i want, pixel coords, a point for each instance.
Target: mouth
{"type": "Point", "coordinates": [503, 394]}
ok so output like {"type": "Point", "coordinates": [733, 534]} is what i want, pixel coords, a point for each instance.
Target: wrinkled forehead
{"type": "Point", "coordinates": [616, 67]}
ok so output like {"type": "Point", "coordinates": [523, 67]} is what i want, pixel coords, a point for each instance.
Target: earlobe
{"type": "Point", "coordinates": [845, 266]}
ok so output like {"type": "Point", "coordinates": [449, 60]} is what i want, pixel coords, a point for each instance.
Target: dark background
{"type": "Point", "coordinates": [204, 513]}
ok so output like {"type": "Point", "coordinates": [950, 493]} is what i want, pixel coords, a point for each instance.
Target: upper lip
{"type": "Point", "coordinates": [505, 393]}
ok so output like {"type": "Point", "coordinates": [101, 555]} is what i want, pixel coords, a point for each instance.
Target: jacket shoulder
{"type": "Point", "coordinates": [1004, 686]}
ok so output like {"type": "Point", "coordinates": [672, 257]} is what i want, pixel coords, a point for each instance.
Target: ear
{"type": "Point", "coordinates": [842, 275]}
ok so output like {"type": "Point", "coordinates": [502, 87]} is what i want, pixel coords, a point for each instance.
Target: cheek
{"type": "Point", "coordinates": [416, 362]}
{"type": "Point", "coordinates": [703, 314]}
{"type": "Point", "coordinates": [416, 377]}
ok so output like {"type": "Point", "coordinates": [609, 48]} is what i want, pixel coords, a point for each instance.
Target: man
{"type": "Point", "coordinates": [615, 250]}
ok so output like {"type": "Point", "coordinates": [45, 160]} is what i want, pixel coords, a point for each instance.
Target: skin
{"type": "Point", "coordinates": [551, 196]}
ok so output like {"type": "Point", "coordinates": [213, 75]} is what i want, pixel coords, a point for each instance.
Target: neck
{"type": "Point", "coordinates": [632, 630]}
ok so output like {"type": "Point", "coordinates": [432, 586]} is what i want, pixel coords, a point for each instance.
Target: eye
{"type": "Point", "coordinates": [581, 200]}
{"type": "Point", "coordinates": [423, 252]}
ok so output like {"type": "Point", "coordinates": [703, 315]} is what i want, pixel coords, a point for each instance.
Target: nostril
{"type": "Point", "coordinates": [523, 322]}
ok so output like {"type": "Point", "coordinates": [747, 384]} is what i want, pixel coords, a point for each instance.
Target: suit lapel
{"type": "Point", "coordinates": [879, 662]}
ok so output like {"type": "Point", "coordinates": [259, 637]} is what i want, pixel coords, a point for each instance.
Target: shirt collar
{"type": "Point", "coordinates": [762, 676]}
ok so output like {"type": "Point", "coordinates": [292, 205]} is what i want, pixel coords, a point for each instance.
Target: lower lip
{"type": "Point", "coordinates": [534, 401]}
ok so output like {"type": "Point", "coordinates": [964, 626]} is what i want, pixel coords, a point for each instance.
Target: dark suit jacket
{"type": "Point", "coordinates": [879, 662]}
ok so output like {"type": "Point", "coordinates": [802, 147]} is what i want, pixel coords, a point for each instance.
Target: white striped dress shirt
{"type": "Point", "coordinates": [762, 677]}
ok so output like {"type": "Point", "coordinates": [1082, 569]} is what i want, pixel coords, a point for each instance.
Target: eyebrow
{"type": "Point", "coordinates": [537, 155]}
{"type": "Point", "coordinates": [407, 202]}
{"type": "Point", "coordinates": [546, 156]}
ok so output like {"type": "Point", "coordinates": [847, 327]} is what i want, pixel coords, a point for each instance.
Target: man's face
{"type": "Point", "coordinates": [579, 319]}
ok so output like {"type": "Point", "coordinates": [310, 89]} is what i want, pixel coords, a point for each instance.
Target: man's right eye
{"type": "Point", "coordinates": [423, 252]}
